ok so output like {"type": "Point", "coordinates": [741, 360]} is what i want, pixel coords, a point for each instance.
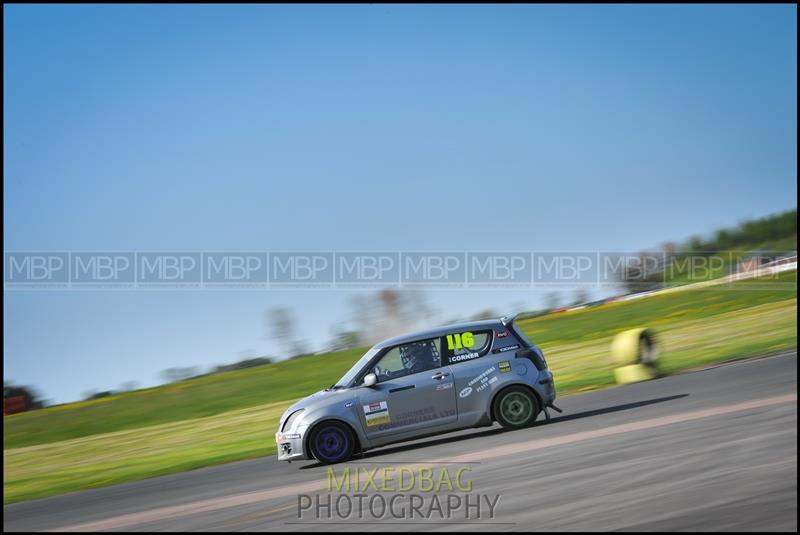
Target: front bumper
{"type": "Point", "coordinates": [290, 446]}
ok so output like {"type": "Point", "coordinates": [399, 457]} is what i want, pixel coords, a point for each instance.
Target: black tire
{"type": "Point", "coordinates": [332, 442]}
{"type": "Point", "coordinates": [515, 407]}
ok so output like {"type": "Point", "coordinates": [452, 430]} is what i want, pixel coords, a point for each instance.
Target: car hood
{"type": "Point", "coordinates": [321, 399]}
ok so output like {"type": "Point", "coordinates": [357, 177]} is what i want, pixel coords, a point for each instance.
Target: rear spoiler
{"type": "Point", "coordinates": [508, 320]}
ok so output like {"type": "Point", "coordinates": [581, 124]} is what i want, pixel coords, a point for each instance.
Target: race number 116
{"type": "Point", "coordinates": [460, 341]}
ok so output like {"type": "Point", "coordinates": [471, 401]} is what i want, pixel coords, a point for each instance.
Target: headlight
{"type": "Point", "coordinates": [291, 419]}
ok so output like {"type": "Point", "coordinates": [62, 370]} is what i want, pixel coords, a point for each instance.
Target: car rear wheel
{"type": "Point", "coordinates": [332, 442]}
{"type": "Point", "coordinates": [515, 407]}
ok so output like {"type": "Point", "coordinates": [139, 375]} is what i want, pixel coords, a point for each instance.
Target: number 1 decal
{"type": "Point", "coordinates": [460, 341]}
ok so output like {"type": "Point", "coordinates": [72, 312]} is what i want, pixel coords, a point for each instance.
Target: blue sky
{"type": "Point", "coordinates": [365, 128]}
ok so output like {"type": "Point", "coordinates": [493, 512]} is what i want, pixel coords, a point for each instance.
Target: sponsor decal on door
{"type": "Point", "coordinates": [376, 413]}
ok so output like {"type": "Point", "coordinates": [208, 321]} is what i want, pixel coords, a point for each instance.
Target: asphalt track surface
{"type": "Point", "coordinates": [710, 450]}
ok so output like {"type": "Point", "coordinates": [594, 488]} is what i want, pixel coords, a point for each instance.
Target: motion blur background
{"type": "Point", "coordinates": [371, 128]}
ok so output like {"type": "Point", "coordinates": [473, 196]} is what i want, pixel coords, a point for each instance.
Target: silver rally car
{"type": "Point", "coordinates": [421, 384]}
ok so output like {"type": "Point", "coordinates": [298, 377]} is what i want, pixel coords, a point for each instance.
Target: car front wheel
{"type": "Point", "coordinates": [332, 442]}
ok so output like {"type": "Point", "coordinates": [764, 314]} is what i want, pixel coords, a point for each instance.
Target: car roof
{"type": "Point", "coordinates": [498, 323]}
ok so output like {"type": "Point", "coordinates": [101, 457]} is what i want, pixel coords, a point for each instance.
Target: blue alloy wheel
{"type": "Point", "coordinates": [332, 443]}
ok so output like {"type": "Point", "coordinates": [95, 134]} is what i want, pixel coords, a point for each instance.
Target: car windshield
{"type": "Point", "coordinates": [355, 370]}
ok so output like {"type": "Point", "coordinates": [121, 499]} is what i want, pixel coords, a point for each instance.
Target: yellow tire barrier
{"type": "Point", "coordinates": [634, 373]}
{"type": "Point", "coordinates": [636, 352]}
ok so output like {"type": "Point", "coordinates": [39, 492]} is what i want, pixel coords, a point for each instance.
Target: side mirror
{"type": "Point", "coordinates": [370, 380]}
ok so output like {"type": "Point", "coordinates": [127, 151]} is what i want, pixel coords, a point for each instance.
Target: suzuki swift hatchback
{"type": "Point", "coordinates": [421, 384]}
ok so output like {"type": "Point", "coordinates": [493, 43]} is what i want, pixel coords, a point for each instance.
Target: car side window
{"type": "Point", "coordinates": [407, 359]}
{"type": "Point", "coordinates": [466, 345]}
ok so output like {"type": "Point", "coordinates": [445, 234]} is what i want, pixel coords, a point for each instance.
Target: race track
{"type": "Point", "coordinates": [710, 450]}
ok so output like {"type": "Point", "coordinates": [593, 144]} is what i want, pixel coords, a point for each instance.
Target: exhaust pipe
{"type": "Point", "coordinates": [547, 413]}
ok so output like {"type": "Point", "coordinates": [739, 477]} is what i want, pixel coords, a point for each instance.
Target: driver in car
{"type": "Point", "coordinates": [419, 357]}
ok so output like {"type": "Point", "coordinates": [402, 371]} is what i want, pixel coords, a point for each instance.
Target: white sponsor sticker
{"type": "Point", "coordinates": [376, 413]}
{"type": "Point", "coordinates": [465, 356]}
{"type": "Point", "coordinates": [481, 376]}
{"type": "Point", "coordinates": [485, 382]}
{"type": "Point", "coordinates": [465, 392]}
{"type": "Point", "coordinates": [444, 386]}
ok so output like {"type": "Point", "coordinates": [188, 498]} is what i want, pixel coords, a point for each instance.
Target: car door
{"type": "Point", "coordinates": [409, 397]}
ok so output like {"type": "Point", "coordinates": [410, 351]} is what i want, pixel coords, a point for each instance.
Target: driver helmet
{"type": "Point", "coordinates": [419, 355]}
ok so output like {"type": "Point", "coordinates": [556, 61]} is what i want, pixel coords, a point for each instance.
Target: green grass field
{"type": "Point", "coordinates": [194, 398]}
{"type": "Point", "coordinates": [233, 415]}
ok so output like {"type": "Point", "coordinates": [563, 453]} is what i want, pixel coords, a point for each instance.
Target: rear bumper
{"type": "Point", "coordinates": [547, 387]}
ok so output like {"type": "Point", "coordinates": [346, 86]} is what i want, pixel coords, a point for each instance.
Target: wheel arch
{"type": "Point", "coordinates": [526, 386]}
{"type": "Point", "coordinates": [357, 447]}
